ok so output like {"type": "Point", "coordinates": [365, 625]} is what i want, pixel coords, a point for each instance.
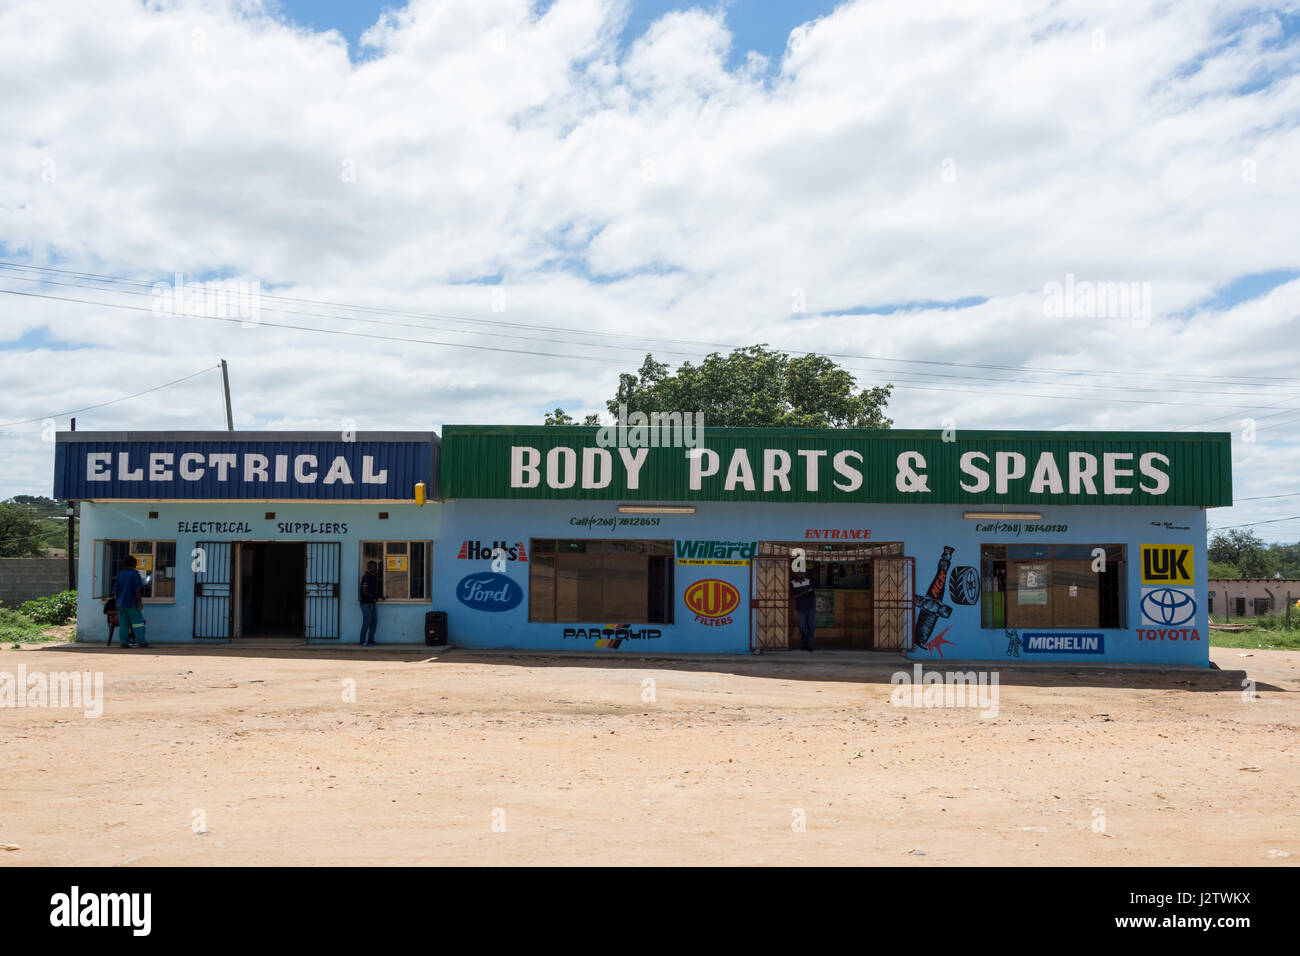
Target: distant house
{"type": "Point", "coordinates": [1252, 597]}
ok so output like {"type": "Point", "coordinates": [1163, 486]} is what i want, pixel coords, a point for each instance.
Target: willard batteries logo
{"type": "Point", "coordinates": [479, 551]}
{"type": "Point", "coordinates": [733, 553]}
{"type": "Point", "coordinates": [712, 601]}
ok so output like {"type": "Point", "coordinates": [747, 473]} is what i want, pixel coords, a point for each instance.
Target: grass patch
{"type": "Point", "coordinates": [1257, 639]}
{"type": "Point", "coordinates": [18, 628]}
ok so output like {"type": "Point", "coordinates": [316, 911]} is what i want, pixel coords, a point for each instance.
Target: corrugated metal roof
{"type": "Point", "coordinates": [477, 463]}
{"type": "Point", "coordinates": [224, 466]}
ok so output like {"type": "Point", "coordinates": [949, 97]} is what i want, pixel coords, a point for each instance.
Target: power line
{"type": "Point", "coordinates": [902, 384]}
{"type": "Point", "coordinates": [1256, 381]}
{"type": "Point", "coordinates": [872, 371]}
{"type": "Point", "coordinates": [114, 401]}
{"type": "Point", "coordinates": [589, 358]}
{"type": "Point", "coordinates": [1252, 524]}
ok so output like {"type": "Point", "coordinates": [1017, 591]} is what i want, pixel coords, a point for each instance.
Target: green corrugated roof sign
{"type": "Point", "coordinates": [664, 463]}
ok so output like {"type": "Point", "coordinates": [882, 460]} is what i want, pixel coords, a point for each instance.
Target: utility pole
{"type": "Point", "coordinates": [72, 537]}
{"type": "Point", "coordinates": [225, 385]}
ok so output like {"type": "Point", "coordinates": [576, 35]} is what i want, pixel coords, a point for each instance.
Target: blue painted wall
{"type": "Point", "coordinates": [173, 621]}
{"type": "Point", "coordinates": [924, 530]}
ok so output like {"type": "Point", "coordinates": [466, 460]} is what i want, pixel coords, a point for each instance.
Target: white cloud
{"type": "Point", "coordinates": [925, 152]}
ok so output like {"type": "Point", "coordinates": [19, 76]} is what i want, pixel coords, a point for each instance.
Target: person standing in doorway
{"type": "Point", "coordinates": [369, 595]}
{"type": "Point", "coordinates": [805, 605]}
{"type": "Point", "coordinates": [128, 588]}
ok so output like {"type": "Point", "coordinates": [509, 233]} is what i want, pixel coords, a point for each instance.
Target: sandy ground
{"type": "Point", "coordinates": [483, 758]}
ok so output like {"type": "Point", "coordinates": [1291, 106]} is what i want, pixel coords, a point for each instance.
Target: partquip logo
{"type": "Point", "coordinates": [478, 551]}
{"type": "Point", "coordinates": [610, 636]}
{"type": "Point", "coordinates": [712, 601]}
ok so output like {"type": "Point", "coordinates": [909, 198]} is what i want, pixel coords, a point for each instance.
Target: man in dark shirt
{"type": "Point", "coordinates": [369, 595]}
{"type": "Point", "coordinates": [128, 587]}
{"type": "Point", "coordinates": [805, 605]}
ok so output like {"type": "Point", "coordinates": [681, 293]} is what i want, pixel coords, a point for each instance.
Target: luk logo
{"type": "Point", "coordinates": [1168, 607]}
{"type": "Point", "coordinates": [489, 592]}
{"type": "Point", "coordinates": [1167, 564]}
{"type": "Point", "coordinates": [712, 601]}
{"type": "Point", "coordinates": [478, 551]}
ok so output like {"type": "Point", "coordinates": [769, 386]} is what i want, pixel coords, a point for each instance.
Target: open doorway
{"type": "Point", "coordinates": [863, 595]}
{"type": "Point", "coordinates": [271, 587]}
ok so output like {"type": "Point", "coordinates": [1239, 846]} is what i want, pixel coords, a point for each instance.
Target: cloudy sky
{"type": "Point", "coordinates": [1024, 215]}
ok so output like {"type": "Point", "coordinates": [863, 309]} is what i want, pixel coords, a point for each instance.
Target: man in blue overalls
{"type": "Point", "coordinates": [128, 587]}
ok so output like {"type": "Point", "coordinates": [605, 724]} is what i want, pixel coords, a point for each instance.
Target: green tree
{"type": "Point", "coordinates": [755, 387]}
{"type": "Point", "coordinates": [1242, 549]}
{"type": "Point", "coordinates": [20, 532]}
{"type": "Point", "coordinates": [1286, 559]}
{"type": "Point", "coordinates": [43, 507]}
{"type": "Point", "coordinates": [1219, 571]}
{"type": "Point", "coordinates": [559, 417]}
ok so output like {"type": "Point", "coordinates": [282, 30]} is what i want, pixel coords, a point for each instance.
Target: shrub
{"type": "Point", "coordinates": [53, 610]}
{"type": "Point", "coordinates": [15, 627]}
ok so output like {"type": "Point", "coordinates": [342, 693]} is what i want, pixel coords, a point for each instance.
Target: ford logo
{"type": "Point", "coordinates": [489, 592]}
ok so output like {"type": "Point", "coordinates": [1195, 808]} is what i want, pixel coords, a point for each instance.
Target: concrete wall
{"type": "Point", "coordinates": [1224, 596]}
{"type": "Point", "coordinates": [25, 579]}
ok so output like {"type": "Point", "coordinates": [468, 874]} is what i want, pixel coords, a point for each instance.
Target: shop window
{"type": "Point", "coordinates": [403, 568]}
{"type": "Point", "coordinates": [579, 580]}
{"type": "Point", "coordinates": [155, 560]}
{"type": "Point", "coordinates": [1052, 586]}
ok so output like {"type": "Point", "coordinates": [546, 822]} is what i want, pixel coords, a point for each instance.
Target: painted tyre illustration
{"type": "Point", "coordinates": [964, 585]}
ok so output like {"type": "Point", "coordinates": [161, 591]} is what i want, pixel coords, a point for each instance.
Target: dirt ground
{"type": "Point", "coordinates": [477, 758]}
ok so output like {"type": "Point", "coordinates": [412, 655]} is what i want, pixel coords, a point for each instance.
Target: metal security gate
{"type": "Point", "coordinates": [212, 591]}
{"type": "Point", "coordinates": [770, 599]}
{"type": "Point", "coordinates": [893, 607]}
{"type": "Point", "coordinates": [321, 616]}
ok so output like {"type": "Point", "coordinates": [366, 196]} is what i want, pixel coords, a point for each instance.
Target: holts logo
{"type": "Point", "coordinates": [481, 551]}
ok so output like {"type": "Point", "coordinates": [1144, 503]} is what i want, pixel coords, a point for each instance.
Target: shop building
{"type": "Point", "coordinates": [1047, 546]}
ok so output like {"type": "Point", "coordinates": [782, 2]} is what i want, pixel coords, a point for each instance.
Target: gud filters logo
{"type": "Point", "coordinates": [712, 601]}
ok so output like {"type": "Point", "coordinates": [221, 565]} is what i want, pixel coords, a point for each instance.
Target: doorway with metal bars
{"type": "Point", "coordinates": [864, 593]}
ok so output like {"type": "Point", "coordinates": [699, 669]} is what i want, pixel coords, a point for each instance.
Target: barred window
{"type": "Point", "coordinates": [403, 568]}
